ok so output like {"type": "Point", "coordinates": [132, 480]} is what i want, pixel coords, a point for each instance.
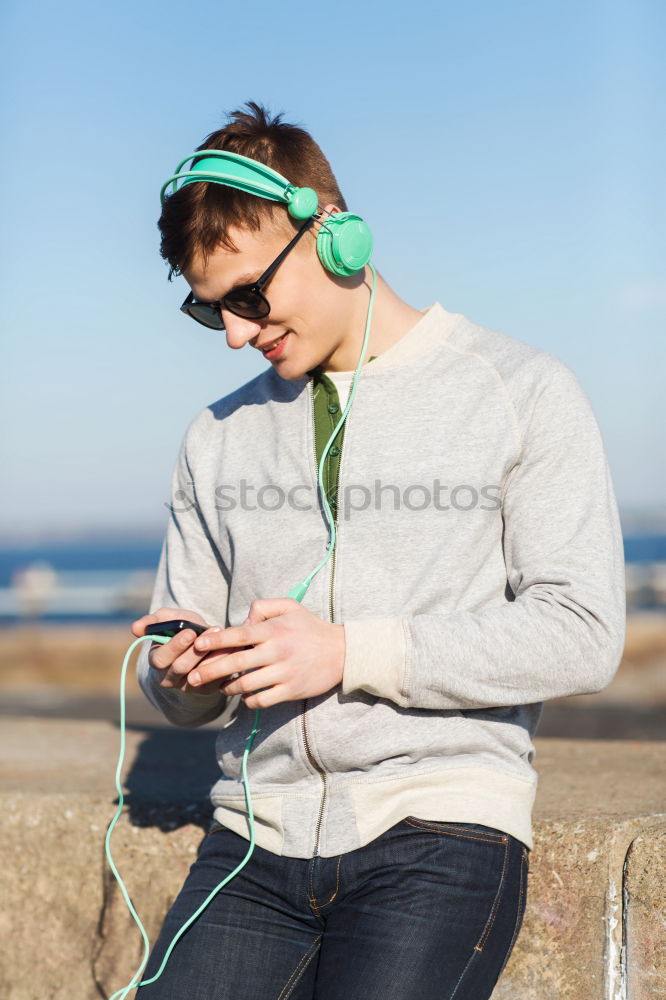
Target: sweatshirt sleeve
{"type": "Point", "coordinates": [562, 631]}
{"type": "Point", "coordinates": [191, 577]}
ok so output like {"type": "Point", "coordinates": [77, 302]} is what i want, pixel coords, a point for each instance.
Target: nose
{"type": "Point", "coordinates": [238, 329]}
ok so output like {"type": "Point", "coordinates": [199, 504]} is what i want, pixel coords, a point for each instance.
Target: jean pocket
{"type": "Point", "coordinates": [466, 831]}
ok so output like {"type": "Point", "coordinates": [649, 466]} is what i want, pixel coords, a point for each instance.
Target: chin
{"type": "Point", "coordinates": [291, 369]}
{"type": "Point", "coordinates": [290, 376]}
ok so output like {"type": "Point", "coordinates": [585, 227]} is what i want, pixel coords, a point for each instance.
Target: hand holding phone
{"type": "Point", "coordinates": [177, 657]}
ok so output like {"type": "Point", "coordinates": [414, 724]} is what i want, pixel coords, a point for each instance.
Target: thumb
{"type": "Point", "coordinates": [270, 607]}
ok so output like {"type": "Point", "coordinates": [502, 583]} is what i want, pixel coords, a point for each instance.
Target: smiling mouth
{"type": "Point", "coordinates": [275, 346]}
{"type": "Point", "coordinates": [269, 347]}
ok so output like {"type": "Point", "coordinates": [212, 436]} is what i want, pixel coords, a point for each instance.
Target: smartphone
{"type": "Point", "coordinates": [173, 627]}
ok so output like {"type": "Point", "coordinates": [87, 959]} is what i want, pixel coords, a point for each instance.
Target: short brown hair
{"type": "Point", "coordinates": [195, 219]}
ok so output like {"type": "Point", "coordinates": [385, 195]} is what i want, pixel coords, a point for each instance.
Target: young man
{"type": "Point", "coordinates": [478, 571]}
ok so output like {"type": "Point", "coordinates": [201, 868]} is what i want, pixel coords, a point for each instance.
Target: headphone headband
{"type": "Point", "coordinates": [344, 241]}
{"type": "Point", "coordinates": [223, 167]}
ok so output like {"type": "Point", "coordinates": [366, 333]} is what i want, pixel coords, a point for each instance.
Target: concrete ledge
{"type": "Point", "coordinates": [594, 927]}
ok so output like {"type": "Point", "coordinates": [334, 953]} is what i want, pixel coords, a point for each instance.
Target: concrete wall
{"type": "Point", "coordinates": [594, 927]}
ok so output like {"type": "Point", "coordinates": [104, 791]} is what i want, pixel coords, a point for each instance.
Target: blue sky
{"type": "Point", "coordinates": [508, 157]}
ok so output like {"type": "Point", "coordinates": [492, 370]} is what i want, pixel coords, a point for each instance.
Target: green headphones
{"type": "Point", "coordinates": [344, 240]}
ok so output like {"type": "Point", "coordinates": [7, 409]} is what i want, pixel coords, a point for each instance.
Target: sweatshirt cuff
{"type": "Point", "coordinates": [375, 657]}
{"type": "Point", "coordinates": [182, 706]}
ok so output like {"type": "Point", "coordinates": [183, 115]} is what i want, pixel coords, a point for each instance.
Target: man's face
{"type": "Point", "coordinates": [312, 308]}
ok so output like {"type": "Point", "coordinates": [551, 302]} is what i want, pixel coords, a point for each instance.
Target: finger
{"type": "Point", "coordinates": [207, 689]}
{"type": "Point", "coordinates": [177, 674]}
{"type": "Point", "coordinates": [220, 666]}
{"type": "Point", "coordinates": [185, 662]}
{"type": "Point", "coordinates": [235, 635]}
{"type": "Point", "coordinates": [273, 696]}
{"type": "Point", "coordinates": [139, 626]}
{"type": "Point", "coordinates": [162, 656]}
{"type": "Point", "coordinates": [187, 656]}
{"type": "Point", "coordinates": [269, 607]}
{"type": "Point", "coordinates": [253, 680]}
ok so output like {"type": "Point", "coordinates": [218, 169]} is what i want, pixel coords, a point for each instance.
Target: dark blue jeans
{"type": "Point", "coordinates": [426, 911]}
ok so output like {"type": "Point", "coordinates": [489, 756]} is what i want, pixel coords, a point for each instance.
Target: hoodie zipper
{"type": "Point", "coordinates": [304, 731]}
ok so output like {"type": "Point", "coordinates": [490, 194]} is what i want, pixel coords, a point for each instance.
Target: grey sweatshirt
{"type": "Point", "coordinates": [478, 572]}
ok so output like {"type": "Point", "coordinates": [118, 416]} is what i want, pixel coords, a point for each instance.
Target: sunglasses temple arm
{"type": "Point", "coordinates": [276, 263]}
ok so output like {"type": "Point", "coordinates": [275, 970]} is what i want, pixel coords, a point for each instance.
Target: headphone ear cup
{"type": "Point", "coordinates": [344, 244]}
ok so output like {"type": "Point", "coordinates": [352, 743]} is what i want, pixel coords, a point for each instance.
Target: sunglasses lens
{"type": "Point", "coordinates": [247, 303]}
{"type": "Point", "coordinates": [206, 314]}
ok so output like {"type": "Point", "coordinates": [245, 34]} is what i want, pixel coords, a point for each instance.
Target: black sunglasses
{"type": "Point", "coordinates": [247, 301]}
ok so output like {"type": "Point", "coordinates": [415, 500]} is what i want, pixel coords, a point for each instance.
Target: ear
{"type": "Point", "coordinates": [328, 209]}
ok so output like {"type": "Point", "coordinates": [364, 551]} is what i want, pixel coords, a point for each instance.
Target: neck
{"type": "Point", "coordinates": [391, 319]}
